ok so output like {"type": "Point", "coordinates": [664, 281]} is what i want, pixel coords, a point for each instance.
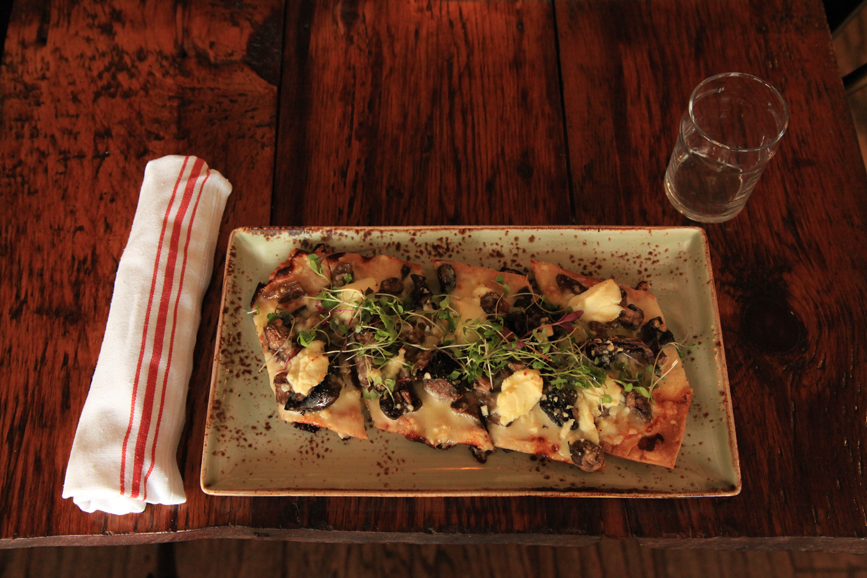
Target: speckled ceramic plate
{"type": "Point", "coordinates": [250, 451]}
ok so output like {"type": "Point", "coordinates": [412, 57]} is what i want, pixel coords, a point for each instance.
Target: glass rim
{"type": "Point", "coordinates": [774, 92]}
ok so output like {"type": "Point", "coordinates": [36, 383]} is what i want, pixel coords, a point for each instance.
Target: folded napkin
{"type": "Point", "coordinates": [123, 455]}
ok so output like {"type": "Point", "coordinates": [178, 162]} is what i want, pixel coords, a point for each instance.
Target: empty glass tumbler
{"type": "Point", "coordinates": [727, 136]}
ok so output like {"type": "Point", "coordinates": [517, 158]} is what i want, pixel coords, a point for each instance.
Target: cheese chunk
{"type": "Point", "coordinates": [599, 303]}
{"type": "Point", "coordinates": [585, 420]}
{"type": "Point", "coordinates": [518, 394]}
{"type": "Point", "coordinates": [307, 369]}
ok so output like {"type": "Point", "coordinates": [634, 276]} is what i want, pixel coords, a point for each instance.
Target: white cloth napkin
{"type": "Point", "coordinates": [123, 454]}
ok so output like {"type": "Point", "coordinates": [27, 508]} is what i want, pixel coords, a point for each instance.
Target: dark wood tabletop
{"type": "Point", "coordinates": [432, 113]}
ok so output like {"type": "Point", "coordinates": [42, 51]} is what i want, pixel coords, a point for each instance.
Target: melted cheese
{"type": "Point", "coordinates": [394, 365]}
{"type": "Point", "coordinates": [566, 428]}
{"type": "Point", "coordinates": [480, 292]}
{"type": "Point", "coordinates": [435, 422]}
{"type": "Point", "coordinates": [518, 394]}
{"type": "Point", "coordinates": [610, 427]}
{"type": "Point", "coordinates": [534, 433]}
{"type": "Point", "coordinates": [469, 311]}
{"type": "Point", "coordinates": [594, 395]}
{"type": "Point", "coordinates": [599, 303]}
{"type": "Point", "coordinates": [307, 369]}
{"type": "Point", "coordinates": [585, 419]}
{"type": "Point", "coordinates": [350, 296]}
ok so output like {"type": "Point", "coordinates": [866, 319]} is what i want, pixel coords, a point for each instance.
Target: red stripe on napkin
{"type": "Point", "coordinates": [159, 333]}
{"type": "Point", "coordinates": [145, 330]}
{"type": "Point", "coordinates": [172, 338]}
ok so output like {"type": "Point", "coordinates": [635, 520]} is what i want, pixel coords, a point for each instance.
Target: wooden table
{"type": "Point", "coordinates": [432, 112]}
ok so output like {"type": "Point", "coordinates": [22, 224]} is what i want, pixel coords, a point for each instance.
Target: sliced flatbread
{"type": "Point", "coordinates": [311, 386]}
{"type": "Point", "coordinates": [629, 428]}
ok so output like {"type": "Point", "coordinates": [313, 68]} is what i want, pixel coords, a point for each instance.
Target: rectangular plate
{"type": "Point", "coordinates": [249, 451]}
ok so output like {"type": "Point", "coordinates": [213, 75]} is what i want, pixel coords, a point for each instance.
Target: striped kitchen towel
{"type": "Point", "coordinates": [123, 454]}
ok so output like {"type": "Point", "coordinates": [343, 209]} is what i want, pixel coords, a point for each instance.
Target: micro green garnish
{"type": "Point", "coordinates": [499, 280]}
{"type": "Point", "coordinates": [315, 264]}
{"type": "Point", "coordinates": [648, 379]}
{"type": "Point", "coordinates": [376, 324]}
{"type": "Point", "coordinates": [306, 337]}
{"type": "Point", "coordinates": [640, 380]}
{"type": "Point", "coordinates": [491, 347]}
{"type": "Point", "coordinates": [278, 313]}
{"type": "Point", "coordinates": [380, 386]}
{"type": "Point", "coordinates": [369, 393]}
{"type": "Point", "coordinates": [388, 383]}
{"type": "Point", "coordinates": [446, 313]}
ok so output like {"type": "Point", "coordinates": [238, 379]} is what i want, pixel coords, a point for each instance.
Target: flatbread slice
{"type": "Point", "coordinates": [499, 309]}
{"type": "Point", "coordinates": [624, 332]}
{"type": "Point", "coordinates": [405, 382]}
{"type": "Point", "coordinates": [312, 384]}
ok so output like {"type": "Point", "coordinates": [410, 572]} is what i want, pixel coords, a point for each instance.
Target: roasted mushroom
{"type": "Point", "coordinates": [447, 278]}
{"type": "Point", "coordinates": [283, 389]}
{"type": "Point", "coordinates": [320, 397]}
{"type": "Point", "coordinates": [341, 274]}
{"type": "Point", "coordinates": [420, 293]}
{"type": "Point", "coordinates": [441, 389]}
{"type": "Point", "coordinates": [640, 406]}
{"type": "Point", "coordinates": [568, 284]}
{"type": "Point", "coordinates": [392, 286]}
{"type": "Point", "coordinates": [284, 291]}
{"type": "Point", "coordinates": [654, 336]}
{"type": "Point", "coordinates": [522, 321]}
{"type": "Point", "coordinates": [493, 304]}
{"type": "Point", "coordinates": [276, 334]}
{"type": "Point", "coordinates": [442, 365]}
{"type": "Point", "coordinates": [587, 455]}
{"type": "Point", "coordinates": [402, 400]}
{"type": "Point", "coordinates": [631, 317]}
{"type": "Point", "coordinates": [605, 352]}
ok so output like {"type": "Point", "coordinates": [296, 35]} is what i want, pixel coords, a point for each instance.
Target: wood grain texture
{"type": "Point", "coordinates": [406, 112]}
{"type": "Point", "coordinates": [414, 113]}
{"type": "Point", "coordinates": [795, 256]}
{"type": "Point", "coordinates": [252, 559]}
{"type": "Point", "coordinates": [90, 93]}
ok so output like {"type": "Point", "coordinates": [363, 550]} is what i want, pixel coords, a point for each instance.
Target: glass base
{"type": "Point", "coordinates": [701, 217]}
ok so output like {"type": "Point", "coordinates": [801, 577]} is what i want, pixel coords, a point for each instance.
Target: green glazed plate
{"type": "Point", "coordinates": [248, 450]}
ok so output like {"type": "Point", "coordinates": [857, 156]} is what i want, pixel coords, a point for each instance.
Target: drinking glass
{"type": "Point", "coordinates": [727, 136]}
